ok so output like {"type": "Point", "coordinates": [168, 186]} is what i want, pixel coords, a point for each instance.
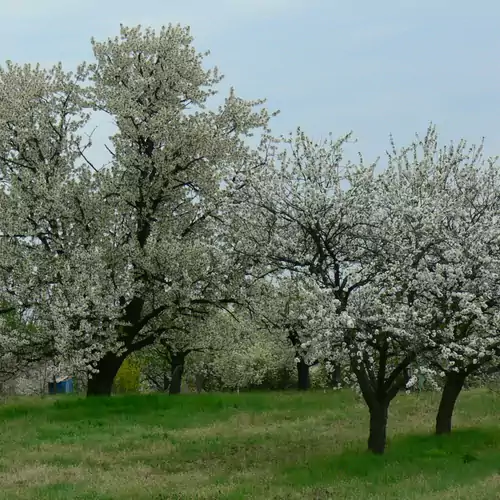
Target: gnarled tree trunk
{"type": "Point", "coordinates": [101, 383]}
{"type": "Point", "coordinates": [379, 387]}
{"type": "Point", "coordinates": [454, 383]}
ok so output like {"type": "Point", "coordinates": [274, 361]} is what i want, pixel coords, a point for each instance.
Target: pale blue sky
{"type": "Point", "coordinates": [374, 67]}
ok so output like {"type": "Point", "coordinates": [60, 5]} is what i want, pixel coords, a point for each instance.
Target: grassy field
{"type": "Point", "coordinates": [230, 446]}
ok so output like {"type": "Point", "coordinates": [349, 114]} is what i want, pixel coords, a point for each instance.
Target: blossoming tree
{"type": "Point", "coordinates": [313, 215]}
{"type": "Point", "coordinates": [455, 287]}
{"type": "Point", "coordinates": [374, 241]}
{"type": "Point", "coordinates": [121, 250]}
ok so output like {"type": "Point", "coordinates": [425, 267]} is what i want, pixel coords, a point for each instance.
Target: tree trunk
{"type": "Point", "coordinates": [378, 427]}
{"type": "Point", "coordinates": [453, 385]}
{"type": "Point", "coordinates": [177, 370]}
{"type": "Point", "coordinates": [335, 376]}
{"type": "Point", "coordinates": [304, 381]}
{"type": "Point", "coordinates": [379, 388]}
{"type": "Point", "coordinates": [166, 381]}
{"type": "Point", "coordinates": [101, 383]}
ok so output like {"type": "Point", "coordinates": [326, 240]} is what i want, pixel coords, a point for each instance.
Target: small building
{"type": "Point", "coordinates": [62, 385]}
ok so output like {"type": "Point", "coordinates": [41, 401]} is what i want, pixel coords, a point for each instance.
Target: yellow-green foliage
{"type": "Point", "coordinates": [128, 378]}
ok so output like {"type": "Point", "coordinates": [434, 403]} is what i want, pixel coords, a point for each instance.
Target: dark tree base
{"type": "Point", "coordinates": [378, 428]}
{"type": "Point", "coordinates": [101, 383]}
{"type": "Point", "coordinates": [177, 363]}
{"type": "Point", "coordinates": [303, 376]}
{"type": "Point", "coordinates": [453, 386]}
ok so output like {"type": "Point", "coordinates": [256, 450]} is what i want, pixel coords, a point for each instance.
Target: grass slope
{"type": "Point", "coordinates": [230, 446]}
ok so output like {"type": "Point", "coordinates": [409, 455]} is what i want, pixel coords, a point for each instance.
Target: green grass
{"type": "Point", "coordinates": [258, 445]}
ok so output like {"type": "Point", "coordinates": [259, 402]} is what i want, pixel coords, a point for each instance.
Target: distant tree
{"type": "Point", "coordinates": [298, 311]}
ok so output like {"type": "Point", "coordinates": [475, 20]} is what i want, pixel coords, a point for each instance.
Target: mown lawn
{"type": "Point", "coordinates": [230, 446]}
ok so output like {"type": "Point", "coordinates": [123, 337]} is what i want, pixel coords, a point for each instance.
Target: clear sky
{"type": "Point", "coordinates": [374, 67]}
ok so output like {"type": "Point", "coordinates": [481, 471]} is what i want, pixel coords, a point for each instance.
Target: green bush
{"type": "Point", "coordinates": [128, 378]}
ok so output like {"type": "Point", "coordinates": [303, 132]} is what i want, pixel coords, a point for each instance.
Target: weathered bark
{"type": "Point", "coordinates": [177, 370]}
{"type": "Point", "coordinates": [454, 383]}
{"type": "Point", "coordinates": [101, 383]}
{"type": "Point", "coordinates": [303, 378]}
{"type": "Point", "coordinates": [378, 427]}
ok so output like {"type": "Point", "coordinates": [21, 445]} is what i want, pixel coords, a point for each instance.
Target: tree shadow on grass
{"type": "Point", "coordinates": [465, 456]}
